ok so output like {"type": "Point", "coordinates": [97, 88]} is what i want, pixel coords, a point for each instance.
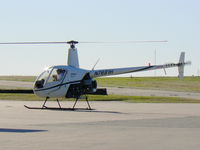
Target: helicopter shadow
{"type": "Point", "coordinates": [20, 130]}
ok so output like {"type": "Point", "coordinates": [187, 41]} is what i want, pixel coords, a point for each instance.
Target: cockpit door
{"type": "Point", "coordinates": [55, 79]}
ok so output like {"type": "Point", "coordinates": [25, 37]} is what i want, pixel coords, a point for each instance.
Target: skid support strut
{"type": "Point", "coordinates": [75, 103]}
{"type": "Point", "coordinates": [43, 106]}
{"type": "Point", "coordinates": [88, 103]}
{"type": "Point", "coordinates": [89, 107]}
{"type": "Point", "coordinates": [59, 104]}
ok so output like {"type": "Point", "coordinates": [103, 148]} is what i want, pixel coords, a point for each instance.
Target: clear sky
{"type": "Point", "coordinates": [177, 21]}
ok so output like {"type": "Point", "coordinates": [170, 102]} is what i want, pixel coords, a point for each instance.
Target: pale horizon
{"type": "Point", "coordinates": [176, 21]}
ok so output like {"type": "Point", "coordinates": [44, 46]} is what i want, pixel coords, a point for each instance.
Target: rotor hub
{"type": "Point", "coordinates": [72, 43]}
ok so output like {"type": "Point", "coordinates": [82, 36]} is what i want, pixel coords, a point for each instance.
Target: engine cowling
{"type": "Point", "coordinates": [86, 86]}
{"type": "Point", "coordinates": [90, 85]}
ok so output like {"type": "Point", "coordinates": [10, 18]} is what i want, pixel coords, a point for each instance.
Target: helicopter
{"type": "Point", "coordinates": [71, 81]}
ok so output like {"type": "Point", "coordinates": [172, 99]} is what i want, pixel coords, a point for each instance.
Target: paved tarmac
{"type": "Point", "coordinates": [111, 126]}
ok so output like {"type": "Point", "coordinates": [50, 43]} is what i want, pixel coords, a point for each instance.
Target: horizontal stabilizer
{"type": "Point", "coordinates": [101, 91]}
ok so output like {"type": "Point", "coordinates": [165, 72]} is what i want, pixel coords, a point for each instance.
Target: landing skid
{"type": "Point", "coordinates": [61, 108]}
{"type": "Point", "coordinates": [56, 108]}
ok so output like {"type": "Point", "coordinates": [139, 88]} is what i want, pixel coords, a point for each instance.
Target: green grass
{"type": "Point", "coordinates": [132, 99]}
{"type": "Point", "coordinates": [18, 78]}
{"type": "Point", "coordinates": [187, 84]}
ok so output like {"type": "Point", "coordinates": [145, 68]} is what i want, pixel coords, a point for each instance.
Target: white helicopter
{"type": "Point", "coordinates": [70, 81]}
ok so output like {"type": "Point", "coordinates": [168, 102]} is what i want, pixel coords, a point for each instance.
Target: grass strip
{"type": "Point", "coordinates": [187, 84]}
{"type": "Point", "coordinates": [131, 99]}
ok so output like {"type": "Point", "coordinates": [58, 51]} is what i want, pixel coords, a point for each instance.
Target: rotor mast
{"type": "Point", "coordinates": [73, 60]}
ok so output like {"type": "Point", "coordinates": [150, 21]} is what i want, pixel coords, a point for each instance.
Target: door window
{"type": "Point", "coordinates": [57, 75]}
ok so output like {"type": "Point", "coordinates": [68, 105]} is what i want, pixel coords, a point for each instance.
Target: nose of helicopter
{"type": "Point", "coordinates": [49, 81]}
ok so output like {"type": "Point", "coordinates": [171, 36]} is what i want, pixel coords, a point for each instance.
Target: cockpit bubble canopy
{"type": "Point", "coordinates": [50, 75]}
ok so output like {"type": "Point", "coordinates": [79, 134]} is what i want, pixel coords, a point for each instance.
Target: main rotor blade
{"type": "Point", "coordinates": [76, 42]}
{"type": "Point", "coordinates": [34, 43]}
{"type": "Point", "coordinates": [121, 42]}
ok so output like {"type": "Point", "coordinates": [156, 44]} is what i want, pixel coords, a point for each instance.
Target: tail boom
{"type": "Point", "coordinates": [117, 71]}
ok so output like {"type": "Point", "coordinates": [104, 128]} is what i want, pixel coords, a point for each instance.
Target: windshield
{"type": "Point", "coordinates": [44, 75]}
{"type": "Point", "coordinates": [42, 78]}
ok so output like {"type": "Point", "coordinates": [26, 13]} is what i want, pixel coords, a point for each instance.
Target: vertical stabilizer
{"type": "Point", "coordinates": [181, 65]}
{"type": "Point", "coordinates": [73, 57]}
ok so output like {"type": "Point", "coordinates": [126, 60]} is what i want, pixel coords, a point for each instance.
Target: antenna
{"type": "Point", "coordinates": [95, 64]}
{"type": "Point", "coordinates": [155, 61]}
